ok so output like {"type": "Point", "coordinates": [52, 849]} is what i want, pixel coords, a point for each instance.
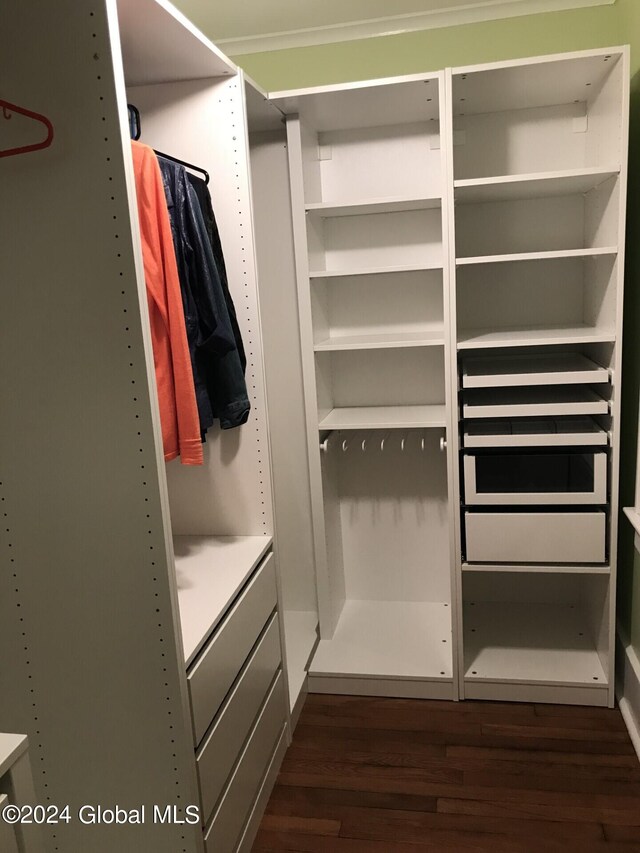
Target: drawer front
{"type": "Point", "coordinates": [235, 807]}
{"type": "Point", "coordinates": [536, 478]}
{"type": "Point", "coordinates": [541, 537]}
{"type": "Point", "coordinates": [221, 748]}
{"type": "Point", "coordinates": [223, 657]}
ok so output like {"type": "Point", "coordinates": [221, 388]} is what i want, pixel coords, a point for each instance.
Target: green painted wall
{"type": "Point", "coordinates": [486, 42]}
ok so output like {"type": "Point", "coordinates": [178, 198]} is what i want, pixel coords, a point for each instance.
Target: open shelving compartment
{"type": "Point", "coordinates": [387, 538]}
{"type": "Point", "coordinates": [537, 637]}
{"type": "Point", "coordinates": [367, 175]}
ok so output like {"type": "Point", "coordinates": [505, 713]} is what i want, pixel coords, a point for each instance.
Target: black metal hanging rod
{"type": "Point", "coordinates": [135, 128]}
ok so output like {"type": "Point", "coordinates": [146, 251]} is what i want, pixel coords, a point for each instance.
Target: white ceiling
{"type": "Point", "coordinates": [247, 26]}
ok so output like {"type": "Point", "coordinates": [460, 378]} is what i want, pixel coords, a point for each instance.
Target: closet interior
{"type": "Point", "coordinates": [427, 273]}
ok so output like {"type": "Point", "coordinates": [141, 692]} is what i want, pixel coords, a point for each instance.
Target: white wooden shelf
{"type": "Point", "coordinates": [535, 432]}
{"type": "Point", "coordinates": [388, 639]}
{"type": "Point", "coordinates": [372, 206]}
{"type": "Point", "coordinates": [523, 402]}
{"type": "Point", "coordinates": [536, 185]}
{"type": "Point", "coordinates": [301, 635]}
{"type": "Point", "coordinates": [211, 571]}
{"type": "Point", "coordinates": [160, 45]}
{"type": "Point", "coordinates": [538, 256]}
{"type": "Point", "coordinates": [532, 568]}
{"type": "Point", "coordinates": [385, 417]}
{"type": "Point", "coordinates": [525, 336]}
{"type": "Point", "coordinates": [528, 643]}
{"type": "Point", "coordinates": [537, 369]}
{"type": "Point", "coordinates": [11, 748]}
{"type": "Point", "coordinates": [382, 341]}
{"type": "Point", "coordinates": [346, 273]}
{"type": "Point", "coordinates": [634, 517]}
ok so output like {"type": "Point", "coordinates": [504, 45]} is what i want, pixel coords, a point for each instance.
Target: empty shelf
{"type": "Point", "coordinates": [533, 568]}
{"type": "Point", "coordinates": [539, 369]}
{"type": "Point", "coordinates": [211, 571]}
{"type": "Point", "coordinates": [538, 432]}
{"type": "Point", "coordinates": [539, 256]}
{"type": "Point", "coordinates": [388, 639]}
{"type": "Point", "coordinates": [382, 341]}
{"type": "Point", "coordinates": [528, 643]}
{"type": "Point", "coordinates": [525, 336]}
{"type": "Point", "coordinates": [537, 185]}
{"type": "Point", "coordinates": [385, 417]}
{"type": "Point", "coordinates": [523, 402]}
{"type": "Point", "coordinates": [301, 635]}
{"type": "Point", "coordinates": [345, 273]}
{"type": "Point", "coordinates": [375, 205]}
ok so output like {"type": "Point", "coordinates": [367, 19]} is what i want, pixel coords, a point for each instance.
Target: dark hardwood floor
{"type": "Point", "coordinates": [371, 775]}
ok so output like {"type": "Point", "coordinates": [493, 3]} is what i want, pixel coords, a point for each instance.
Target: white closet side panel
{"type": "Point", "coordinates": [87, 574]}
{"type": "Point", "coordinates": [202, 122]}
{"type": "Point", "coordinates": [281, 333]}
{"type": "Point", "coordinates": [330, 585]}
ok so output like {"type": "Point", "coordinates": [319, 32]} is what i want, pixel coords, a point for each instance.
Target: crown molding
{"type": "Point", "coordinates": [465, 13]}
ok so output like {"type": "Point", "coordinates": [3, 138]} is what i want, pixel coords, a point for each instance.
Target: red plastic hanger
{"type": "Point", "coordinates": [7, 110]}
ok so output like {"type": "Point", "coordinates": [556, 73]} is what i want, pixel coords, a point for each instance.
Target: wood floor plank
{"type": "Point", "coordinates": [376, 775]}
{"type": "Point", "coordinates": [286, 802]}
{"type": "Point", "coordinates": [628, 760]}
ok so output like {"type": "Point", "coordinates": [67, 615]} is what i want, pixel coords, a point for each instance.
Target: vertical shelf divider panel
{"type": "Point", "coordinates": [302, 173]}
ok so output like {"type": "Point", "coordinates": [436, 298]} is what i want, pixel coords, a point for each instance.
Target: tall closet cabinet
{"type": "Point", "coordinates": [459, 247]}
{"type": "Point", "coordinates": [149, 628]}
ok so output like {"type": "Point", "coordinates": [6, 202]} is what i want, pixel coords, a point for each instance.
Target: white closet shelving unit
{"type": "Point", "coordinates": [460, 249]}
{"type": "Point", "coordinates": [538, 192]}
{"type": "Point", "coordinates": [141, 616]}
{"type": "Point", "coordinates": [368, 170]}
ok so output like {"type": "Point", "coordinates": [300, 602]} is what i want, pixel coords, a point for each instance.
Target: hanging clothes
{"type": "Point", "coordinates": [174, 378]}
{"type": "Point", "coordinates": [219, 381]}
{"type": "Point", "coordinates": [206, 207]}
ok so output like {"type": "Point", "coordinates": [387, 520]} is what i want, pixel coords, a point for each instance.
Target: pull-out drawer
{"type": "Point", "coordinates": [535, 537]}
{"type": "Point", "coordinates": [223, 657]}
{"type": "Point", "coordinates": [536, 478]}
{"type": "Point", "coordinates": [513, 370]}
{"type": "Point", "coordinates": [224, 832]}
{"type": "Point", "coordinates": [535, 432]}
{"type": "Point", "coordinates": [532, 402]}
{"type": "Point", "coordinates": [223, 745]}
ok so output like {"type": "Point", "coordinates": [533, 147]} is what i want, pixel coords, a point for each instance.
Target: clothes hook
{"type": "Point", "coordinates": [383, 440]}
{"type": "Point", "coordinates": [402, 440]}
{"type": "Point", "coordinates": [345, 445]}
{"type": "Point", "coordinates": [422, 442]}
{"type": "Point", "coordinates": [6, 113]}
{"type": "Point", "coordinates": [324, 445]}
{"type": "Point", "coordinates": [364, 444]}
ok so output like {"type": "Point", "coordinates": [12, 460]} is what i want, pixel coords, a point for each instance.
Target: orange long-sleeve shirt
{"type": "Point", "coordinates": [174, 376]}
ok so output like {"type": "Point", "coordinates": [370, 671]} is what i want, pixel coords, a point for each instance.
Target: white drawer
{"type": "Point", "coordinates": [551, 400]}
{"type": "Point", "coordinates": [223, 834]}
{"type": "Point", "coordinates": [221, 660]}
{"type": "Point", "coordinates": [540, 537]}
{"type": "Point", "coordinates": [536, 478]}
{"type": "Point", "coordinates": [223, 745]}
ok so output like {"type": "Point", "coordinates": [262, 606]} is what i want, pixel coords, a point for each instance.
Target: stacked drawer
{"type": "Point", "coordinates": [535, 458]}
{"type": "Point", "coordinates": [238, 709]}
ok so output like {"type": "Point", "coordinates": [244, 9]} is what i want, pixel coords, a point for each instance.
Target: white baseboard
{"type": "Point", "coordinates": [628, 688]}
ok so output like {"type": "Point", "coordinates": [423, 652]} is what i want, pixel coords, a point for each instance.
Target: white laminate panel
{"type": "Point", "coordinates": [223, 834]}
{"type": "Point", "coordinates": [211, 570]}
{"type": "Point", "coordinates": [11, 748]}
{"type": "Point", "coordinates": [224, 743]}
{"type": "Point", "coordinates": [540, 537]}
{"type": "Point", "coordinates": [222, 659]}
